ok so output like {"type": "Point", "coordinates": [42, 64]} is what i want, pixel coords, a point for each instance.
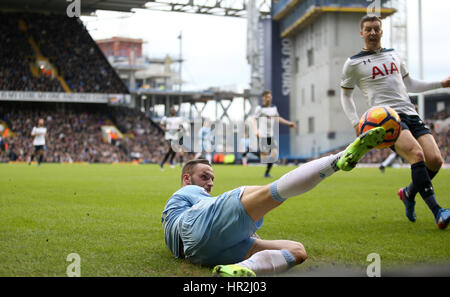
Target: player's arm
{"type": "Point", "coordinates": [286, 122]}
{"type": "Point", "coordinates": [254, 126]}
{"type": "Point", "coordinates": [163, 124]}
{"type": "Point", "coordinates": [185, 128]}
{"type": "Point", "coordinates": [253, 123]}
{"type": "Point", "coordinates": [348, 104]}
{"type": "Point", "coordinates": [420, 86]}
{"type": "Point", "coordinates": [349, 78]}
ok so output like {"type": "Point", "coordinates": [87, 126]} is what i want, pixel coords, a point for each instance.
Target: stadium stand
{"type": "Point", "coordinates": [74, 61]}
{"type": "Point", "coordinates": [17, 56]}
{"type": "Point", "coordinates": [54, 53]}
{"type": "Point", "coordinates": [75, 134]}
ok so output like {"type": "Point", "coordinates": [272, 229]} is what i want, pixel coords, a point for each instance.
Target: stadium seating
{"type": "Point", "coordinates": [74, 135]}
{"type": "Point", "coordinates": [64, 43]}
{"type": "Point", "coordinates": [17, 54]}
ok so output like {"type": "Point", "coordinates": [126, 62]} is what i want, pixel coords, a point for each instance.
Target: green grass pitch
{"type": "Point", "coordinates": [110, 216]}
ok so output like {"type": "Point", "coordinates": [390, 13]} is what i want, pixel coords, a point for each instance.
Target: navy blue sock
{"type": "Point", "coordinates": [422, 182]}
{"type": "Point", "coordinates": [166, 157]}
{"type": "Point", "coordinates": [269, 166]}
{"type": "Point", "coordinates": [172, 157]}
{"type": "Point", "coordinates": [411, 190]}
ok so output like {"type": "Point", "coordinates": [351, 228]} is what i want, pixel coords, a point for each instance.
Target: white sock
{"type": "Point", "coordinates": [389, 160]}
{"type": "Point", "coordinates": [269, 261]}
{"type": "Point", "coordinates": [304, 178]}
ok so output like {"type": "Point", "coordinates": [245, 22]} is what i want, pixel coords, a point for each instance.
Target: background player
{"type": "Point", "coordinates": [206, 139]}
{"type": "Point", "coordinates": [172, 125]}
{"type": "Point", "coordinates": [384, 80]}
{"type": "Point", "coordinates": [245, 143]}
{"type": "Point", "coordinates": [388, 161]}
{"type": "Point", "coordinates": [219, 230]}
{"type": "Point", "coordinates": [265, 133]}
{"type": "Point", "coordinates": [39, 133]}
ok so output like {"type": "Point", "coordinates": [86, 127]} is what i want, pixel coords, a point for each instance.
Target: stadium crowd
{"type": "Point", "coordinates": [17, 54]}
{"type": "Point", "coordinates": [76, 136]}
{"type": "Point", "coordinates": [67, 45]}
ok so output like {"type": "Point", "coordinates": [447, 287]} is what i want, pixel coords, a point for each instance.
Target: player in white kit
{"type": "Point", "coordinates": [382, 77]}
{"type": "Point", "coordinates": [172, 126]}
{"type": "Point", "coordinates": [39, 133]}
{"type": "Point", "coordinates": [267, 144]}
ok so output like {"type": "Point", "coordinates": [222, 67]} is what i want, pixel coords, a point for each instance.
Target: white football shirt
{"type": "Point", "coordinates": [39, 135]}
{"type": "Point", "coordinates": [265, 117]}
{"type": "Point", "coordinates": [173, 125]}
{"type": "Point", "coordinates": [379, 75]}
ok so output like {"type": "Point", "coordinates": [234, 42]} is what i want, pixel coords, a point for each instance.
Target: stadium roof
{"type": "Point", "coordinates": [60, 6]}
{"type": "Point", "coordinates": [235, 8]}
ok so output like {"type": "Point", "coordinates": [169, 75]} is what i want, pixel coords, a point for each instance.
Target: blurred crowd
{"type": "Point", "coordinates": [76, 136]}
{"type": "Point", "coordinates": [68, 47]}
{"type": "Point", "coordinates": [16, 54]}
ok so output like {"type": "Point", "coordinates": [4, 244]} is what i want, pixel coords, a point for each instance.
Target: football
{"type": "Point", "coordinates": [382, 116]}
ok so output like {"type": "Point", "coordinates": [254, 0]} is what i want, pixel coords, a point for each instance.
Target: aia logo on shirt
{"type": "Point", "coordinates": [384, 70]}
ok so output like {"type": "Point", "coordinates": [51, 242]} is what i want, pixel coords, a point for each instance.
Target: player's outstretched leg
{"type": "Point", "coordinates": [232, 270]}
{"type": "Point", "coordinates": [356, 150]}
{"type": "Point", "coordinates": [409, 205]}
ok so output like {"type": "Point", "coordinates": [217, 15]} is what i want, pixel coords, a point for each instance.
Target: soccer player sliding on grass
{"type": "Point", "coordinates": [221, 230]}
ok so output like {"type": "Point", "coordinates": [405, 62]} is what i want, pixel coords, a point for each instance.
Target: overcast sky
{"type": "Point", "coordinates": [436, 39]}
{"type": "Point", "coordinates": [215, 47]}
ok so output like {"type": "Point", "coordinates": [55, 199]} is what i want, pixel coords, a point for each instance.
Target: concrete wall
{"type": "Point", "coordinates": [315, 97]}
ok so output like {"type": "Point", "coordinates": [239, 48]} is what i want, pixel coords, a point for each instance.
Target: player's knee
{"type": "Point", "coordinates": [435, 162]}
{"type": "Point", "coordinates": [417, 156]}
{"type": "Point", "coordinates": [299, 252]}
